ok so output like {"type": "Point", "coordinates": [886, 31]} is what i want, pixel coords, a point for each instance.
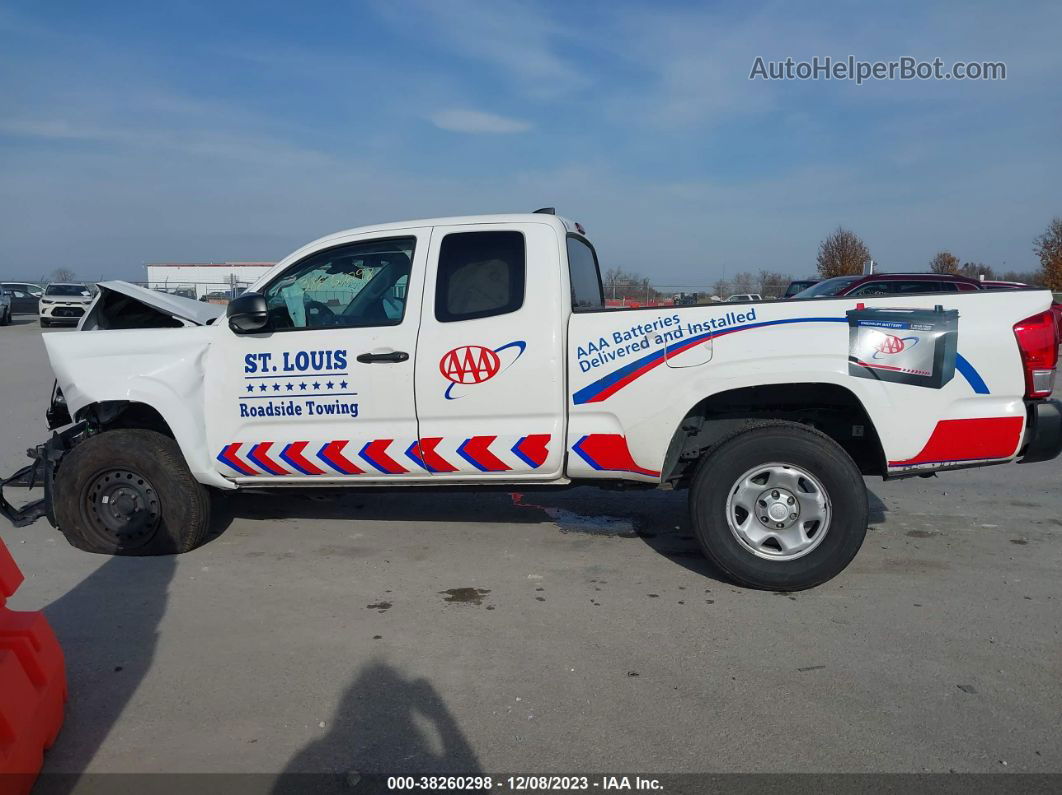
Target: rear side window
{"type": "Point", "coordinates": [584, 275]}
{"type": "Point", "coordinates": [481, 274]}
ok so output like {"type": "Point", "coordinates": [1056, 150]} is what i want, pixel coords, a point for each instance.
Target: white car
{"type": "Point", "coordinates": [5, 306]}
{"type": "Point", "coordinates": [744, 298]}
{"type": "Point", "coordinates": [64, 302]}
{"type": "Point", "coordinates": [478, 352]}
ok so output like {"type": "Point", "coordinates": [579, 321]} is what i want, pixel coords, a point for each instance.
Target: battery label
{"type": "Point", "coordinates": [906, 346]}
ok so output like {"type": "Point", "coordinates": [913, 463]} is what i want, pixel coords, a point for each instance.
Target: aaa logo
{"type": "Point", "coordinates": [469, 364]}
{"type": "Point", "coordinates": [889, 344]}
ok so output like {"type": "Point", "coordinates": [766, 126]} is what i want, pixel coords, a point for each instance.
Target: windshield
{"type": "Point", "coordinates": [66, 289]}
{"type": "Point", "coordinates": [797, 286]}
{"type": "Point", "coordinates": [829, 287]}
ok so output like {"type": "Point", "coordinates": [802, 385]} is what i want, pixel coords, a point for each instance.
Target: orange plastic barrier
{"type": "Point", "coordinates": [32, 687]}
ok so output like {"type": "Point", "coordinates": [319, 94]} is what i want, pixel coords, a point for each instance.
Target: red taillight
{"type": "Point", "coordinates": [1038, 342]}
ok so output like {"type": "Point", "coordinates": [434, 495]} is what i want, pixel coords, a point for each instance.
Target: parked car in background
{"type": "Point", "coordinates": [889, 284]}
{"type": "Point", "coordinates": [25, 297]}
{"type": "Point", "coordinates": [744, 298]}
{"type": "Point", "coordinates": [64, 302]}
{"type": "Point", "coordinates": [5, 306]}
{"type": "Point", "coordinates": [797, 285]}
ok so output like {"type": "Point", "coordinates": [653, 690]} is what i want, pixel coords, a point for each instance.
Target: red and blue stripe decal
{"type": "Point", "coordinates": [227, 456]}
{"type": "Point", "coordinates": [259, 454]}
{"type": "Point", "coordinates": [533, 450]}
{"type": "Point", "coordinates": [608, 385]}
{"type": "Point", "coordinates": [435, 455]}
{"type": "Point", "coordinates": [422, 453]}
{"type": "Point", "coordinates": [293, 457]}
{"type": "Point", "coordinates": [375, 453]}
{"type": "Point", "coordinates": [332, 454]}
{"type": "Point", "coordinates": [608, 452]}
{"type": "Point", "coordinates": [476, 451]}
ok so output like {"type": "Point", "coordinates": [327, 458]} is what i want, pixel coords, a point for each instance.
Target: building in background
{"type": "Point", "coordinates": [201, 279]}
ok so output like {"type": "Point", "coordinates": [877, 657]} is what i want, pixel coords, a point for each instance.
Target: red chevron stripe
{"type": "Point", "coordinates": [375, 452]}
{"type": "Point", "coordinates": [294, 453]}
{"type": "Point", "coordinates": [534, 448]}
{"type": "Point", "coordinates": [259, 454]}
{"type": "Point", "coordinates": [332, 454]}
{"type": "Point", "coordinates": [478, 449]}
{"type": "Point", "coordinates": [425, 451]}
{"type": "Point", "coordinates": [228, 455]}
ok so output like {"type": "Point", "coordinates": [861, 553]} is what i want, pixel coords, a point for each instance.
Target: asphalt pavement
{"type": "Point", "coordinates": [577, 630]}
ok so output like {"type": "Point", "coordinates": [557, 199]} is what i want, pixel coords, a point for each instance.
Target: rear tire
{"type": "Point", "coordinates": [807, 502]}
{"type": "Point", "coordinates": [6, 319]}
{"type": "Point", "coordinates": [129, 492]}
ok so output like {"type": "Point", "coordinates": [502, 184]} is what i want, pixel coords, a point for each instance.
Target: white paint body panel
{"type": "Point", "coordinates": [546, 415]}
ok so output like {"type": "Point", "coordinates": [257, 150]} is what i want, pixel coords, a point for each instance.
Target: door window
{"type": "Point", "coordinates": [481, 274]}
{"type": "Point", "coordinates": [584, 274]}
{"type": "Point", "coordinates": [356, 285]}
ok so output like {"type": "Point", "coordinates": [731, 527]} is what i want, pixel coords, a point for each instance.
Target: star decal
{"type": "Point", "coordinates": [342, 384]}
{"type": "Point", "coordinates": [276, 387]}
{"type": "Point", "coordinates": [302, 384]}
{"type": "Point", "coordinates": [329, 385]}
{"type": "Point", "coordinates": [316, 384]}
{"type": "Point", "coordinates": [250, 387]}
{"type": "Point", "coordinates": [261, 387]}
{"type": "Point", "coordinates": [290, 386]}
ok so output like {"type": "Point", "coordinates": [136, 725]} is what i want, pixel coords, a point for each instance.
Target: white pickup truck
{"type": "Point", "coordinates": [477, 351]}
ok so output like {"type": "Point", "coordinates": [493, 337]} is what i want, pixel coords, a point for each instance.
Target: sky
{"type": "Point", "coordinates": [133, 132]}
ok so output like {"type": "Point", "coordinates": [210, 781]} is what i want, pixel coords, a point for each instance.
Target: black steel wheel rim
{"type": "Point", "coordinates": [123, 508]}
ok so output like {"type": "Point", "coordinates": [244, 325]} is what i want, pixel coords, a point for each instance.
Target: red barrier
{"type": "Point", "coordinates": [32, 687]}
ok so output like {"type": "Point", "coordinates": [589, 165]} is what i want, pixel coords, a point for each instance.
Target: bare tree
{"type": "Point", "coordinates": [772, 284]}
{"type": "Point", "coordinates": [975, 270]}
{"type": "Point", "coordinates": [59, 275]}
{"type": "Point", "coordinates": [721, 288]}
{"type": "Point", "coordinates": [1048, 248]}
{"type": "Point", "coordinates": [944, 262]}
{"type": "Point", "coordinates": [842, 254]}
{"type": "Point", "coordinates": [744, 283]}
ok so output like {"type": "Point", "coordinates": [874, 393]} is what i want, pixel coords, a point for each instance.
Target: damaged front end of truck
{"type": "Point", "coordinates": [89, 372]}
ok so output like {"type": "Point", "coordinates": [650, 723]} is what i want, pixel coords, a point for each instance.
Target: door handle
{"type": "Point", "coordinates": [388, 358]}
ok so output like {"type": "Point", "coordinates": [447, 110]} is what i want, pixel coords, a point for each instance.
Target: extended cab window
{"type": "Point", "coordinates": [481, 274]}
{"type": "Point", "coordinates": [360, 284]}
{"type": "Point", "coordinates": [584, 275]}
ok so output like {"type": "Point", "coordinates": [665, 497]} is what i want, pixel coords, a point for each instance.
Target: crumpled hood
{"type": "Point", "coordinates": [190, 311]}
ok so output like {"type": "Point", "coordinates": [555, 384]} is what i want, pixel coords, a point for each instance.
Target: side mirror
{"type": "Point", "coordinates": [248, 313]}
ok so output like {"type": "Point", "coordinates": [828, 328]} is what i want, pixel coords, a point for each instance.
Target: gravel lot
{"type": "Point", "coordinates": [550, 632]}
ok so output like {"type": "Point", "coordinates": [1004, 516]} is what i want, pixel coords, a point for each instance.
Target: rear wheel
{"type": "Point", "coordinates": [6, 318]}
{"type": "Point", "coordinates": [779, 506]}
{"type": "Point", "coordinates": [129, 492]}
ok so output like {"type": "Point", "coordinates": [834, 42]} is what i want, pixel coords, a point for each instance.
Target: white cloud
{"type": "Point", "coordinates": [519, 39]}
{"type": "Point", "coordinates": [477, 121]}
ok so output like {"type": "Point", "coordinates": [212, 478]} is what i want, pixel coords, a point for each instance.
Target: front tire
{"type": "Point", "coordinates": [129, 492]}
{"type": "Point", "coordinates": [780, 507]}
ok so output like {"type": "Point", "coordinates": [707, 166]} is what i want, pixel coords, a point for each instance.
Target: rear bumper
{"type": "Point", "coordinates": [40, 473]}
{"type": "Point", "coordinates": [1043, 432]}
